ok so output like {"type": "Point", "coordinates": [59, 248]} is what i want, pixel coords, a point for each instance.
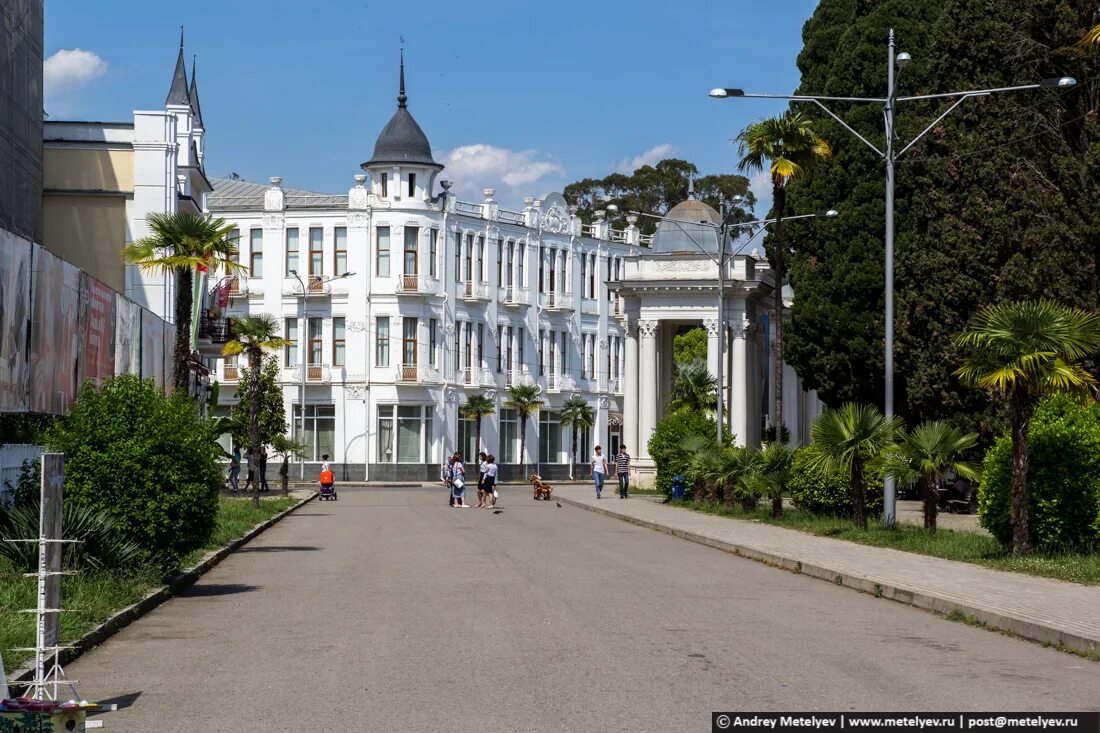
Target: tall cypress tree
{"type": "Point", "coordinates": [994, 203]}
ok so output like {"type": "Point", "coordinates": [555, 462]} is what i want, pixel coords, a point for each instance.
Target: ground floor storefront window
{"type": "Point", "coordinates": [318, 434]}
{"type": "Point", "coordinates": [509, 437]}
{"type": "Point", "coordinates": [405, 432]}
{"type": "Point", "coordinates": [549, 436]}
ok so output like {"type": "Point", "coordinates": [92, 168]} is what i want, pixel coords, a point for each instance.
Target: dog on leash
{"type": "Point", "coordinates": [542, 489]}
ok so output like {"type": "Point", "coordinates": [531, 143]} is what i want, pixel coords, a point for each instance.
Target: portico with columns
{"type": "Point", "coordinates": [675, 284]}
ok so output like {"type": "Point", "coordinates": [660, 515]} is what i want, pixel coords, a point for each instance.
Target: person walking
{"type": "Point", "coordinates": [622, 469]}
{"type": "Point", "coordinates": [599, 470]}
{"type": "Point", "coordinates": [235, 470]}
{"type": "Point", "coordinates": [263, 470]}
{"type": "Point", "coordinates": [249, 482]}
{"type": "Point", "coordinates": [481, 464]}
{"type": "Point", "coordinates": [458, 481]}
{"type": "Point", "coordinates": [491, 470]}
{"type": "Point", "coordinates": [446, 475]}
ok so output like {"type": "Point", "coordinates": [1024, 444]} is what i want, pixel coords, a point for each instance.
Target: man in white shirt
{"type": "Point", "coordinates": [599, 470]}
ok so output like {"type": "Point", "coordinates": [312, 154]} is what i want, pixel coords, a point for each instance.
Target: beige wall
{"type": "Point", "coordinates": [75, 169]}
{"type": "Point", "coordinates": [88, 231]}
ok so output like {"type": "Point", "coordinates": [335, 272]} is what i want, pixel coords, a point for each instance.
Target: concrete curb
{"type": "Point", "coordinates": [181, 582]}
{"type": "Point", "coordinates": [993, 620]}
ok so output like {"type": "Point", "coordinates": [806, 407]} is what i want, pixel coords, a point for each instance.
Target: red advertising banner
{"type": "Point", "coordinates": [97, 321]}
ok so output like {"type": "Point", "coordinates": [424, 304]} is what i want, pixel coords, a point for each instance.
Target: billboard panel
{"type": "Point", "coordinates": [44, 341]}
{"type": "Point", "coordinates": [152, 347]}
{"type": "Point", "coordinates": [15, 313]}
{"type": "Point", "coordinates": [127, 336]}
{"type": "Point", "coordinates": [97, 331]}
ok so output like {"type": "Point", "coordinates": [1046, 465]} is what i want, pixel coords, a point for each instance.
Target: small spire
{"type": "Point", "coordinates": [691, 186]}
{"type": "Point", "coordinates": [196, 108]}
{"type": "Point", "coordinates": [178, 94]}
{"type": "Point", "coordinates": [401, 98]}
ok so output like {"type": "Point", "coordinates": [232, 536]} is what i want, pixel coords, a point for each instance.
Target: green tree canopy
{"type": "Point", "coordinates": [272, 410]}
{"type": "Point", "coordinates": [689, 346]}
{"type": "Point", "coordinates": [995, 203]}
{"type": "Point", "coordinates": [653, 189]}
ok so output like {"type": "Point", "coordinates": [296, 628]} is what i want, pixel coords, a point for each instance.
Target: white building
{"type": "Point", "coordinates": [439, 300]}
{"type": "Point", "coordinates": [400, 302]}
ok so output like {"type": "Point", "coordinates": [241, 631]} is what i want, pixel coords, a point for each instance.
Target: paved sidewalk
{"type": "Point", "coordinates": [1034, 608]}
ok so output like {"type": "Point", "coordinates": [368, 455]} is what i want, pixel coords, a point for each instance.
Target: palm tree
{"type": "Point", "coordinates": [847, 439]}
{"type": "Point", "coordinates": [694, 387]}
{"type": "Point", "coordinates": [252, 335]}
{"type": "Point", "coordinates": [577, 415]}
{"type": "Point", "coordinates": [775, 466]}
{"type": "Point", "coordinates": [182, 243]}
{"type": "Point", "coordinates": [1020, 352]}
{"type": "Point", "coordinates": [475, 408]}
{"type": "Point", "coordinates": [727, 472]}
{"type": "Point", "coordinates": [525, 399]}
{"type": "Point", "coordinates": [787, 147]}
{"type": "Point", "coordinates": [926, 454]}
{"type": "Point", "coordinates": [288, 448]}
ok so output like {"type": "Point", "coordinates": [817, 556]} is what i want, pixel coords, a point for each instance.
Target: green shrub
{"type": "Point", "coordinates": [1063, 479]}
{"type": "Point", "coordinates": [147, 460]}
{"type": "Point", "coordinates": [100, 547]}
{"type": "Point", "coordinates": [666, 443]}
{"type": "Point", "coordinates": [829, 493]}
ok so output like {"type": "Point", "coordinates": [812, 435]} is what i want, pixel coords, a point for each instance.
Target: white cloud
{"type": "Point", "coordinates": [761, 187]}
{"type": "Point", "coordinates": [511, 172]}
{"type": "Point", "coordinates": [655, 154]}
{"type": "Point", "coordinates": [71, 68]}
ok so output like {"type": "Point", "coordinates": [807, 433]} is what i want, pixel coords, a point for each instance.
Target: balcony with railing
{"type": "Point", "coordinates": [416, 285]}
{"type": "Point", "coordinates": [319, 373]}
{"type": "Point", "coordinates": [212, 333]}
{"type": "Point", "coordinates": [518, 377]}
{"type": "Point", "coordinates": [556, 382]}
{"type": "Point", "coordinates": [473, 292]}
{"type": "Point", "coordinates": [476, 377]}
{"type": "Point", "coordinates": [615, 385]}
{"type": "Point", "coordinates": [590, 306]}
{"type": "Point", "coordinates": [417, 374]}
{"type": "Point", "coordinates": [557, 300]}
{"type": "Point", "coordinates": [229, 373]}
{"type": "Point", "coordinates": [513, 295]}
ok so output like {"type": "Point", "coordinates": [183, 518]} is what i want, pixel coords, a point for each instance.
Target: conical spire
{"type": "Point", "coordinates": [691, 186]}
{"type": "Point", "coordinates": [178, 93]}
{"type": "Point", "coordinates": [401, 98]}
{"type": "Point", "coordinates": [196, 108]}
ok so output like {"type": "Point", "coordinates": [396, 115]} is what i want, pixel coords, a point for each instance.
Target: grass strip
{"type": "Point", "coordinates": [98, 596]}
{"type": "Point", "coordinates": [971, 547]}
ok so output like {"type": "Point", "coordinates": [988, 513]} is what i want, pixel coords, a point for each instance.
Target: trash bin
{"type": "Point", "coordinates": [677, 487]}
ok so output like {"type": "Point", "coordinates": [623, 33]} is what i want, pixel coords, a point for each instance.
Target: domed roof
{"type": "Point", "coordinates": [694, 232]}
{"type": "Point", "coordinates": [401, 141]}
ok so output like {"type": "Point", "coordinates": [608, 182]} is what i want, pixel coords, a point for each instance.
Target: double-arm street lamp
{"type": "Point", "coordinates": [721, 258]}
{"type": "Point", "coordinates": [890, 155]}
{"type": "Point", "coordinates": [302, 355]}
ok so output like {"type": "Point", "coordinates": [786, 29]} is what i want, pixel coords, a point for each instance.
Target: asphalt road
{"type": "Point", "coordinates": [390, 611]}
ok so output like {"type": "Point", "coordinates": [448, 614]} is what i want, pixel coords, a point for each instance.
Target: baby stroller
{"type": "Point", "coordinates": [328, 486]}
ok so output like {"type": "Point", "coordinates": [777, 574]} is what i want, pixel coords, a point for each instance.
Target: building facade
{"type": "Point", "coordinates": [102, 179]}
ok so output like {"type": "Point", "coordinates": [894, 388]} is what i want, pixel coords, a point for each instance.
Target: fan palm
{"type": "Point", "coordinates": [252, 335]}
{"type": "Point", "coordinates": [927, 453]}
{"type": "Point", "coordinates": [525, 399]}
{"type": "Point", "coordinates": [775, 467]}
{"type": "Point", "coordinates": [787, 147]}
{"type": "Point", "coordinates": [694, 387]}
{"type": "Point", "coordinates": [576, 414]}
{"type": "Point", "coordinates": [847, 439]}
{"type": "Point", "coordinates": [1020, 352]}
{"type": "Point", "coordinates": [475, 408]}
{"type": "Point", "coordinates": [288, 448]}
{"type": "Point", "coordinates": [182, 243]}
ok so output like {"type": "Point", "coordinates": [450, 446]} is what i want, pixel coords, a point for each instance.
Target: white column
{"type": "Point", "coordinates": [630, 390]}
{"type": "Point", "coordinates": [711, 324]}
{"type": "Point", "coordinates": [739, 392]}
{"type": "Point", "coordinates": [647, 387]}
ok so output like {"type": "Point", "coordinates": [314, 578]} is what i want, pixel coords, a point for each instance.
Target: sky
{"type": "Point", "coordinates": [518, 96]}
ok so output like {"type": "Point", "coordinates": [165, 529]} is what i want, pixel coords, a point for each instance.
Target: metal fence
{"type": "Point", "coordinates": [12, 457]}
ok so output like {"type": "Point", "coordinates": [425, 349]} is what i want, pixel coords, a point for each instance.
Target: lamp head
{"type": "Point", "coordinates": [903, 58]}
{"type": "Point", "coordinates": [293, 272]}
{"type": "Point", "coordinates": [723, 93]}
{"type": "Point", "coordinates": [612, 209]}
{"type": "Point", "coordinates": [446, 185]}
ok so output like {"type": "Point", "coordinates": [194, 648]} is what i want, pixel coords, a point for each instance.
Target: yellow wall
{"type": "Point", "coordinates": [72, 169]}
{"type": "Point", "coordinates": [88, 231]}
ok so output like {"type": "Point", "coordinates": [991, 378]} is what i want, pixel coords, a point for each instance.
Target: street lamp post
{"type": "Point", "coordinates": [721, 258]}
{"type": "Point", "coordinates": [894, 63]}
{"type": "Point", "coordinates": [302, 365]}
